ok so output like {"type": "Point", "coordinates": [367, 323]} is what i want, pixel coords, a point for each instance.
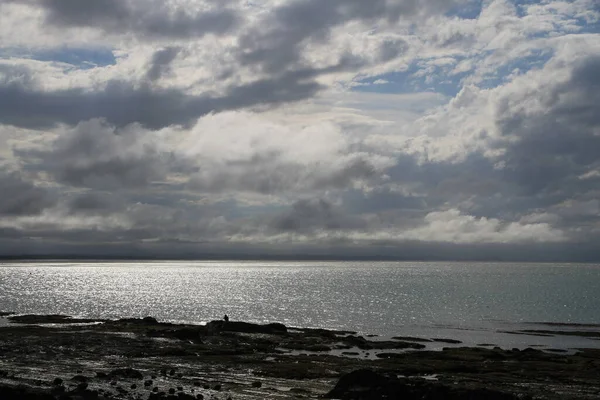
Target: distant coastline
{"type": "Point", "coordinates": [287, 257]}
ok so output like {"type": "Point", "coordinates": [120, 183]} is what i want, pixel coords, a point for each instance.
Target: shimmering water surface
{"type": "Point", "coordinates": [385, 298]}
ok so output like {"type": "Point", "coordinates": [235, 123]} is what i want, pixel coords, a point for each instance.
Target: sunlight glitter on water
{"type": "Point", "coordinates": [385, 298]}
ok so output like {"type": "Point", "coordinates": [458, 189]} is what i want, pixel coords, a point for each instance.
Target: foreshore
{"type": "Point", "coordinates": [58, 357]}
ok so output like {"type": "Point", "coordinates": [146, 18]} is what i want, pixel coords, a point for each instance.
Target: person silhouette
{"type": "Point", "coordinates": [226, 318]}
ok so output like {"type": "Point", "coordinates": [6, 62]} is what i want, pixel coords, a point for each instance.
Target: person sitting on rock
{"type": "Point", "coordinates": [226, 318]}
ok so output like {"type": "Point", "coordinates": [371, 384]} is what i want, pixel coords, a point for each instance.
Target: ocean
{"type": "Point", "coordinates": [473, 302]}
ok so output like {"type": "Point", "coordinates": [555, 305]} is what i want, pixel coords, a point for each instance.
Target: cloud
{"type": "Point", "coordinates": [224, 153]}
{"type": "Point", "coordinates": [306, 216]}
{"type": "Point", "coordinates": [277, 43]}
{"type": "Point", "coordinates": [22, 198]}
{"type": "Point", "coordinates": [94, 154]}
{"type": "Point", "coordinates": [454, 227]}
{"type": "Point", "coordinates": [161, 61]}
{"type": "Point", "coordinates": [121, 103]}
{"type": "Point", "coordinates": [550, 139]}
{"type": "Point", "coordinates": [146, 19]}
{"type": "Point", "coordinates": [392, 127]}
{"type": "Point", "coordinates": [240, 152]}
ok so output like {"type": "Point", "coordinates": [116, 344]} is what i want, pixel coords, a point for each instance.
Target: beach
{"type": "Point", "coordinates": [52, 357]}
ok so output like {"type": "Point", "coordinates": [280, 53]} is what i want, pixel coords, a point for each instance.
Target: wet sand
{"type": "Point", "coordinates": [57, 357]}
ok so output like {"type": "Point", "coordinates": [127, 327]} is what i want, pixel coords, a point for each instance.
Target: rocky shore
{"type": "Point", "coordinates": [58, 357]}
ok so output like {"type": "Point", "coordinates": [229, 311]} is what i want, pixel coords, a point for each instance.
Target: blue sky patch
{"type": "Point", "coordinates": [536, 60]}
{"type": "Point", "coordinates": [81, 58]}
{"type": "Point", "coordinates": [407, 82]}
{"type": "Point", "coordinates": [467, 11]}
{"type": "Point", "coordinates": [78, 57]}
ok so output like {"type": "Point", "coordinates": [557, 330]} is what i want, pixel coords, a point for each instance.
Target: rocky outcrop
{"type": "Point", "coordinates": [30, 393]}
{"type": "Point", "coordinates": [366, 384]}
{"type": "Point", "coordinates": [140, 321]}
{"type": "Point", "coordinates": [50, 319]}
{"type": "Point", "coordinates": [6, 313]}
{"type": "Point", "coordinates": [128, 373]}
{"type": "Point", "coordinates": [245, 327]}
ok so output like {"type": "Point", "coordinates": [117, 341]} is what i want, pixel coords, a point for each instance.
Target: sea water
{"type": "Point", "coordinates": [473, 301]}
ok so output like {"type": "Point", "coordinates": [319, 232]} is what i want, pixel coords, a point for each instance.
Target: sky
{"type": "Point", "coordinates": [431, 129]}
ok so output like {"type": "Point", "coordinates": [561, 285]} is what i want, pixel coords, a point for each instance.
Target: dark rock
{"type": "Point", "coordinates": [364, 344]}
{"type": "Point", "coordinates": [148, 383]}
{"type": "Point", "coordinates": [557, 350]}
{"type": "Point", "coordinates": [126, 373]}
{"type": "Point", "coordinates": [358, 341]}
{"type": "Point", "coordinates": [133, 386]}
{"type": "Point", "coordinates": [185, 396]}
{"type": "Point", "coordinates": [369, 385]}
{"type": "Point", "coordinates": [412, 339]}
{"type": "Point", "coordinates": [49, 319]}
{"type": "Point", "coordinates": [200, 396]}
{"type": "Point", "coordinates": [318, 348]}
{"type": "Point", "coordinates": [155, 389]}
{"type": "Point", "coordinates": [101, 375]}
{"type": "Point", "coordinates": [246, 327]}
{"type": "Point", "coordinates": [57, 381]}
{"type": "Point", "coordinates": [82, 386]}
{"type": "Point", "coordinates": [389, 355]}
{"type": "Point", "coordinates": [180, 388]}
{"type": "Point", "coordinates": [449, 341]}
{"type": "Point", "coordinates": [185, 333]}
{"type": "Point", "coordinates": [6, 314]}
{"type": "Point", "coordinates": [217, 387]}
{"type": "Point", "coordinates": [206, 386]}
{"type": "Point", "coordinates": [79, 378]}
{"type": "Point", "coordinates": [257, 384]}
{"type": "Point", "coordinates": [172, 372]}
{"type": "Point", "coordinates": [171, 391]}
{"type": "Point", "coordinates": [138, 321]}
{"type": "Point", "coordinates": [57, 390]}
{"type": "Point", "coordinates": [88, 394]}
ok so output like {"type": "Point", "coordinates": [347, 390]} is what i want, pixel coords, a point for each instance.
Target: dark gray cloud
{"type": "Point", "coordinates": [161, 62]}
{"type": "Point", "coordinates": [122, 103]}
{"type": "Point", "coordinates": [276, 44]}
{"type": "Point", "coordinates": [548, 168]}
{"type": "Point", "coordinates": [308, 216]}
{"type": "Point", "coordinates": [94, 203]}
{"type": "Point", "coordinates": [271, 174]}
{"type": "Point", "coordinates": [94, 154]}
{"type": "Point", "coordinates": [556, 147]}
{"type": "Point", "coordinates": [22, 198]}
{"type": "Point", "coordinates": [391, 49]}
{"type": "Point", "coordinates": [97, 155]}
{"type": "Point", "coordinates": [381, 199]}
{"type": "Point", "coordinates": [147, 18]}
